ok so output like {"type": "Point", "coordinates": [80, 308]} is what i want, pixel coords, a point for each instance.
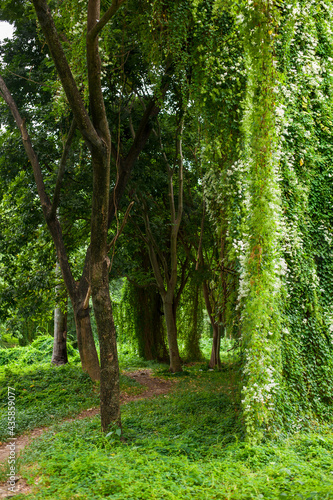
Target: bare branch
{"type": "Point", "coordinates": [179, 153]}
{"type": "Point", "coordinates": [170, 177]}
{"type": "Point", "coordinates": [120, 230]}
{"type": "Point", "coordinates": [201, 235]}
{"type": "Point", "coordinates": [96, 99]}
{"type": "Point", "coordinates": [24, 78]}
{"type": "Point", "coordinates": [141, 137]}
{"type": "Point", "coordinates": [183, 281]}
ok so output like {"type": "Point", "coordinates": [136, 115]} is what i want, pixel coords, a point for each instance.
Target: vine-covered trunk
{"type": "Point", "coordinates": [192, 345]}
{"type": "Point", "coordinates": [261, 276]}
{"type": "Point", "coordinates": [148, 322]}
{"type": "Point", "coordinates": [170, 319]}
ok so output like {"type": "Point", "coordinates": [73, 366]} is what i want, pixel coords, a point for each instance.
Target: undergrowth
{"type": "Point", "coordinates": [188, 444]}
{"type": "Point", "coordinates": [185, 445]}
{"type": "Point", "coordinates": [44, 393]}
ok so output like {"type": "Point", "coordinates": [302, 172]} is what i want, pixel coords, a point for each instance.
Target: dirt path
{"type": "Point", "coordinates": [155, 387]}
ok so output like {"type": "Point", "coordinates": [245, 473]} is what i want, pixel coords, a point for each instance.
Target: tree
{"type": "Point", "coordinates": [166, 278]}
{"type": "Point", "coordinates": [96, 134]}
{"type": "Point", "coordinates": [59, 354]}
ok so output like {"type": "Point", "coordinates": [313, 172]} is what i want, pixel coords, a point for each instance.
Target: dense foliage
{"type": "Point", "coordinates": [220, 116]}
{"type": "Point", "coordinates": [188, 444]}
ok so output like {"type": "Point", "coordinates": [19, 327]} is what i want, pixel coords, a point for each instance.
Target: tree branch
{"type": "Point", "coordinates": [141, 137]}
{"type": "Point", "coordinates": [53, 224]}
{"type": "Point", "coordinates": [74, 98]}
{"type": "Point", "coordinates": [97, 28]}
{"type": "Point", "coordinates": [183, 281]}
{"type": "Point", "coordinates": [96, 99]}
{"type": "Point", "coordinates": [113, 242]}
{"type": "Point", "coordinates": [44, 199]}
{"type": "Point", "coordinates": [61, 171]}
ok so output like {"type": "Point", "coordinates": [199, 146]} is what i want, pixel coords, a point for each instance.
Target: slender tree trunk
{"type": "Point", "coordinates": [170, 319]}
{"type": "Point", "coordinates": [215, 359]}
{"type": "Point", "coordinates": [86, 343]}
{"type": "Point", "coordinates": [109, 391]}
{"type": "Point", "coordinates": [59, 355]}
{"type": "Point", "coordinates": [218, 358]}
{"type": "Point", "coordinates": [192, 346]}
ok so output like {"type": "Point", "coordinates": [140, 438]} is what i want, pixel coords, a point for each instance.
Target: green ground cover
{"type": "Point", "coordinates": [44, 393]}
{"type": "Point", "coordinates": [185, 445]}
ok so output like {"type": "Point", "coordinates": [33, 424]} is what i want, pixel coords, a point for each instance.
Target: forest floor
{"type": "Point", "coordinates": [182, 437]}
{"type": "Point", "coordinates": [152, 386]}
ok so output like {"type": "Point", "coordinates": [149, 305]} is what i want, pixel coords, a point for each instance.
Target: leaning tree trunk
{"type": "Point", "coordinates": [59, 355]}
{"type": "Point", "coordinates": [170, 319]}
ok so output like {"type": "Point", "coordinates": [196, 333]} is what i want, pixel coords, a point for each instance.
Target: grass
{"type": "Point", "coordinates": [185, 445]}
{"type": "Point", "coordinates": [44, 393]}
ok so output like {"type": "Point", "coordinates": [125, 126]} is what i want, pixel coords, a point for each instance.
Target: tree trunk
{"type": "Point", "coordinates": [215, 355]}
{"type": "Point", "coordinates": [170, 319]}
{"type": "Point", "coordinates": [59, 354]}
{"type": "Point", "coordinates": [109, 389]}
{"type": "Point", "coordinates": [109, 395]}
{"type": "Point", "coordinates": [215, 359]}
{"type": "Point", "coordinates": [148, 323]}
{"type": "Point", "coordinates": [86, 343]}
{"type": "Point", "coordinates": [192, 345]}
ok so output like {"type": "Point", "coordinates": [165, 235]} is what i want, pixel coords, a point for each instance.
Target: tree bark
{"type": "Point", "coordinates": [109, 391]}
{"type": "Point", "coordinates": [146, 304]}
{"type": "Point", "coordinates": [59, 355]}
{"type": "Point", "coordinates": [215, 358]}
{"type": "Point", "coordinates": [192, 345]}
{"type": "Point", "coordinates": [109, 395]}
{"type": "Point", "coordinates": [86, 343]}
{"type": "Point", "coordinates": [170, 319]}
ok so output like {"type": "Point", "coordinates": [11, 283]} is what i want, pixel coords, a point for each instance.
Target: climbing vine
{"type": "Point", "coordinates": [260, 280]}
